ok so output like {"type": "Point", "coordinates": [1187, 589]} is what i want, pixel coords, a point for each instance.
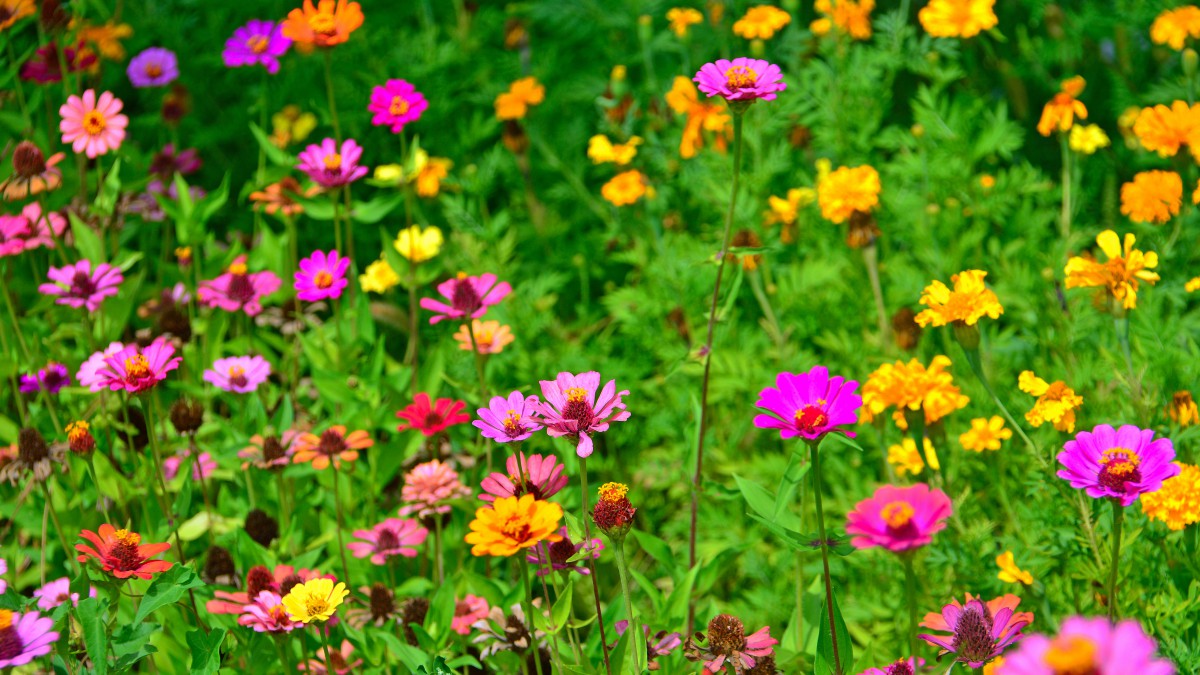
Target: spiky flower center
{"type": "Point", "coordinates": [323, 279]}
{"type": "Point", "coordinates": [812, 418]}
{"type": "Point", "coordinates": [560, 552]}
{"type": "Point", "coordinates": [399, 106]}
{"type": "Point", "coordinates": [973, 640]}
{"type": "Point", "coordinates": [289, 582]}
{"type": "Point", "coordinates": [741, 77]}
{"type": "Point", "coordinates": [77, 430]}
{"type": "Point", "coordinates": [11, 644]}
{"type": "Point", "coordinates": [124, 554]}
{"type": "Point", "coordinates": [241, 288]}
{"type": "Point", "coordinates": [515, 527]}
{"type": "Point", "coordinates": [897, 515]}
{"type": "Point", "coordinates": [578, 408]}
{"type": "Point", "coordinates": [1119, 466]}
{"type": "Point", "coordinates": [331, 443]}
{"type": "Point", "coordinates": [258, 579]}
{"type": "Point", "coordinates": [464, 298]}
{"type": "Point", "coordinates": [137, 367]}
{"type": "Point", "coordinates": [94, 123]}
{"type": "Point", "coordinates": [237, 376]}
{"type": "Point", "coordinates": [1072, 655]}
{"type": "Point", "coordinates": [273, 449]}
{"type": "Point", "coordinates": [387, 539]}
{"type": "Point", "coordinates": [383, 603]}
{"type": "Point", "coordinates": [28, 160]}
{"type": "Point", "coordinates": [726, 634]}
{"type": "Point", "coordinates": [258, 44]}
{"type": "Point", "coordinates": [900, 668]}
{"type": "Point", "coordinates": [315, 605]}
{"type": "Point", "coordinates": [512, 424]}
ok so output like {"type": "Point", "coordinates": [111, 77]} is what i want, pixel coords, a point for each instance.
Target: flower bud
{"type": "Point", "coordinates": [613, 514]}
{"type": "Point", "coordinates": [1189, 59]}
{"type": "Point", "coordinates": [79, 438]}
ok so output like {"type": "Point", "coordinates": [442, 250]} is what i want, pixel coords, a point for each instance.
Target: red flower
{"type": "Point", "coordinates": [121, 553]}
{"type": "Point", "coordinates": [431, 420]}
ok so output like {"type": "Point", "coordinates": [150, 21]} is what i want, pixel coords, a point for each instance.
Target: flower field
{"type": "Point", "coordinates": [599, 337]}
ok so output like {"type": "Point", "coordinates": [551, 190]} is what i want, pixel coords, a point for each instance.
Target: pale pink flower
{"type": "Point", "coordinates": [429, 486]}
{"type": "Point", "coordinates": [93, 126]}
{"type": "Point", "coordinates": [543, 478]}
{"type": "Point", "coordinates": [392, 537]}
{"type": "Point", "coordinates": [467, 611]}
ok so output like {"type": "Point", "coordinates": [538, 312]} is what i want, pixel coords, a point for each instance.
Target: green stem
{"type": "Point", "coordinates": [1118, 519]}
{"type": "Point", "coordinates": [414, 335]}
{"type": "Point", "coordinates": [12, 316]}
{"type": "Point", "coordinates": [337, 500]}
{"type": "Point", "coordinates": [816, 469]}
{"type": "Point", "coordinates": [479, 364]}
{"type": "Point", "coordinates": [438, 566]}
{"type": "Point", "coordinates": [324, 631]}
{"type": "Point", "coordinates": [637, 640]}
{"type": "Point", "coordinates": [555, 655]}
{"type": "Point", "coordinates": [1121, 327]}
{"type": "Point", "coordinates": [333, 114]}
{"type": "Point", "coordinates": [528, 602]}
{"type": "Point", "coordinates": [57, 525]}
{"type": "Point", "coordinates": [871, 260]}
{"type": "Point", "coordinates": [910, 596]}
{"type": "Point", "coordinates": [1064, 224]}
{"type": "Point", "coordinates": [591, 562]}
{"type": "Point", "coordinates": [977, 369]}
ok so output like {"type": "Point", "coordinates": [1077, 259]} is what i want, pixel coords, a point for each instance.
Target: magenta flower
{"type": "Point", "coordinates": [239, 289]}
{"type": "Point", "coordinates": [89, 373]}
{"type": "Point", "coordinates": [29, 230]}
{"type": "Point", "coordinates": [506, 420]}
{"type": "Point", "coordinates": [573, 410]}
{"type": "Point", "coordinates": [392, 537]}
{"type": "Point", "coordinates": [902, 667]}
{"type": "Point", "coordinates": [321, 276]}
{"type": "Point", "coordinates": [56, 592]}
{"type": "Point", "coordinates": [468, 296]}
{"type": "Point", "coordinates": [328, 166]}
{"type": "Point", "coordinates": [543, 478]}
{"type": "Point", "coordinates": [742, 79]}
{"type": "Point", "coordinates": [202, 468]}
{"type": "Point", "coordinates": [258, 43]}
{"type": "Point", "coordinates": [45, 66]}
{"type": "Point", "coordinates": [24, 637]}
{"type": "Point", "coordinates": [239, 374]}
{"type": "Point", "coordinates": [729, 644]}
{"type": "Point", "coordinates": [52, 379]}
{"type": "Point", "coordinates": [79, 285]}
{"type": "Point", "coordinates": [1120, 464]}
{"type": "Point", "coordinates": [93, 126]}
{"type": "Point", "coordinates": [396, 103]}
{"type": "Point", "coordinates": [978, 631]}
{"type": "Point", "coordinates": [559, 555]}
{"type": "Point", "coordinates": [431, 417]}
{"type": "Point", "coordinates": [428, 487]}
{"type": "Point", "coordinates": [135, 370]}
{"type": "Point", "coordinates": [154, 67]}
{"type": "Point", "coordinates": [467, 612]}
{"type": "Point", "coordinates": [899, 518]}
{"type": "Point", "coordinates": [1088, 645]}
{"type": "Point", "coordinates": [809, 404]}
{"type": "Point", "coordinates": [266, 614]}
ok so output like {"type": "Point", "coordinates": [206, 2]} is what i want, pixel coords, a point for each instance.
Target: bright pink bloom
{"type": "Point", "coordinates": [468, 296]}
{"type": "Point", "coordinates": [902, 667]}
{"type": "Point", "coordinates": [543, 478]}
{"type": "Point", "coordinates": [93, 126]}
{"type": "Point", "coordinates": [25, 637]}
{"type": "Point", "coordinates": [339, 660]}
{"type": "Point", "coordinates": [56, 592]}
{"type": "Point", "coordinates": [259, 579]}
{"type": "Point", "coordinates": [809, 404]}
{"type": "Point", "coordinates": [431, 417]}
{"type": "Point", "coordinates": [467, 611]}
{"type": "Point", "coordinates": [506, 420]}
{"type": "Point", "coordinates": [428, 487]}
{"type": "Point", "coordinates": [29, 230]}
{"type": "Point", "coordinates": [321, 276]}
{"type": "Point", "coordinates": [202, 468]}
{"type": "Point", "coordinates": [267, 614]}
{"type": "Point", "coordinates": [79, 285]}
{"type": "Point", "coordinates": [1095, 647]}
{"type": "Point", "coordinates": [573, 410]}
{"type": "Point", "coordinates": [239, 289]}
{"type": "Point", "coordinates": [330, 167]}
{"type": "Point", "coordinates": [392, 537]}
{"type": "Point", "coordinates": [256, 43]}
{"type": "Point", "coordinates": [396, 103]}
{"type": "Point", "coordinates": [89, 373]}
{"type": "Point", "coordinates": [742, 79]}
{"type": "Point", "coordinates": [135, 370]}
{"type": "Point", "coordinates": [899, 518]}
{"type": "Point", "coordinates": [979, 632]}
{"type": "Point", "coordinates": [1118, 463]}
{"type": "Point", "coordinates": [239, 374]}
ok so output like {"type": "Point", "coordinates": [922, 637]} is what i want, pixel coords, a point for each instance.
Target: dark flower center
{"type": "Point", "coordinates": [272, 449]}
{"type": "Point", "coordinates": [28, 160]}
{"type": "Point", "coordinates": [331, 443]}
{"type": "Point", "coordinates": [432, 419]}
{"type": "Point", "coordinates": [11, 644]}
{"type": "Point", "coordinates": [811, 419]}
{"type": "Point", "coordinates": [465, 298]}
{"type": "Point", "coordinates": [240, 288]}
{"type": "Point", "coordinates": [82, 285]}
{"type": "Point", "coordinates": [578, 408]}
{"type": "Point", "coordinates": [337, 660]}
{"type": "Point", "coordinates": [124, 555]}
{"type": "Point", "coordinates": [726, 634]}
{"type": "Point", "coordinates": [382, 603]}
{"type": "Point", "coordinates": [900, 668]}
{"type": "Point", "coordinates": [387, 540]}
{"type": "Point", "coordinates": [259, 579]}
{"type": "Point", "coordinates": [561, 551]}
{"type": "Point", "coordinates": [516, 633]}
{"type": "Point", "coordinates": [289, 582]}
{"type": "Point", "coordinates": [973, 635]}
{"type": "Point", "coordinates": [1120, 467]}
{"type": "Point", "coordinates": [31, 446]}
{"type": "Point", "coordinates": [54, 379]}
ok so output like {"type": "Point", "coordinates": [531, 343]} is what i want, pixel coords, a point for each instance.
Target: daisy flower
{"type": "Point", "coordinates": [314, 600]}
{"type": "Point", "coordinates": [395, 104]}
{"type": "Point", "coordinates": [573, 410]}
{"type": "Point", "coordinates": [154, 67]}
{"type": "Point", "coordinates": [512, 524]}
{"type": "Point", "coordinates": [330, 166]}
{"type": "Point", "coordinates": [93, 126]}
{"type": "Point", "coordinates": [56, 592]}
{"type": "Point", "coordinates": [332, 446]}
{"type": "Point", "coordinates": [321, 276]}
{"type": "Point", "coordinates": [80, 285]}
{"type": "Point", "coordinates": [506, 420]}
{"type": "Point", "coordinates": [238, 374]}
{"type": "Point", "coordinates": [392, 537]}
{"type": "Point", "coordinates": [122, 554]}
{"type": "Point", "coordinates": [468, 297]}
{"type": "Point", "coordinates": [266, 614]}
{"type": "Point", "coordinates": [24, 637]}
{"type": "Point", "coordinates": [89, 373]}
{"type": "Point", "coordinates": [326, 24]}
{"type": "Point", "coordinates": [1121, 464]}
{"type": "Point", "coordinates": [431, 418]}
{"type": "Point", "coordinates": [978, 631]}
{"type": "Point", "coordinates": [135, 370]}
{"type": "Point", "coordinates": [29, 230]}
{"type": "Point", "coordinates": [258, 43]}
{"type": "Point", "coordinates": [809, 404]}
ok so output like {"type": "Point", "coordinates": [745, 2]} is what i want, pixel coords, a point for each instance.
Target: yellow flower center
{"type": "Point", "coordinates": [739, 77]}
{"type": "Point", "coordinates": [258, 44]}
{"type": "Point", "coordinates": [461, 276]}
{"type": "Point", "coordinates": [94, 122]}
{"type": "Point", "coordinates": [1120, 461]}
{"type": "Point", "coordinates": [612, 492]}
{"type": "Point", "coordinates": [128, 538]}
{"type": "Point", "coordinates": [5, 618]}
{"type": "Point", "coordinates": [315, 605]}
{"type": "Point", "coordinates": [399, 106]}
{"type": "Point", "coordinates": [333, 162]}
{"type": "Point", "coordinates": [136, 367]}
{"type": "Point", "coordinates": [153, 70]}
{"type": "Point", "coordinates": [576, 394]}
{"type": "Point", "coordinates": [516, 528]}
{"type": "Point", "coordinates": [323, 23]}
{"type": "Point", "coordinates": [512, 423]}
{"type": "Point", "coordinates": [897, 514]}
{"type": "Point", "coordinates": [77, 430]}
{"type": "Point", "coordinates": [323, 279]}
{"type": "Point", "coordinates": [1074, 655]}
{"type": "Point", "coordinates": [237, 268]}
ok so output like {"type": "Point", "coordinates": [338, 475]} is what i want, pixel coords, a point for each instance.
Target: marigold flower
{"type": "Point", "coordinates": [785, 211]}
{"type": "Point", "coordinates": [1062, 110]}
{"type": "Point", "coordinates": [602, 151]}
{"type": "Point", "coordinates": [514, 104]}
{"type": "Point", "coordinates": [122, 554]}
{"type": "Point", "coordinates": [332, 446]}
{"type": "Point", "coordinates": [1009, 572]}
{"type": "Point", "coordinates": [761, 22]}
{"type": "Point", "coordinates": [1174, 26]}
{"type": "Point", "coordinates": [742, 79]}
{"type": "Point", "coordinates": [907, 460]}
{"type": "Point", "coordinates": [1152, 197]}
{"type": "Point", "coordinates": [1164, 130]}
{"type": "Point", "coordinates": [432, 418]}
{"type": "Point", "coordinates": [379, 277]}
{"type": "Point", "coordinates": [330, 166]}
{"type": "Point", "coordinates": [258, 43]}
{"type": "Point", "coordinates": [1120, 277]}
{"type": "Point", "coordinates": [899, 518]}
{"type": "Point", "coordinates": [105, 37]}
{"type": "Point", "coordinates": [979, 631]}
{"type": "Point", "coordinates": [1182, 410]}
{"type": "Point", "coordinates": [1088, 645]}
{"type": "Point", "coordinates": [328, 24]}
{"type": "Point", "coordinates": [1087, 138]}
{"type": "Point", "coordinates": [958, 18]}
{"type": "Point", "coordinates": [1118, 463]}
{"type": "Point", "coordinates": [965, 305]}
{"type": "Point", "coordinates": [153, 67]}
{"type": "Point", "coordinates": [911, 387]}
{"type": "Point", "coordinates": [419, 245]}
{"type": "Point", "coordinates": [1056, 402]}
{"type": "Point", "coordinates": [626, 188]}
{"type": "Point", "coordinates": [238, 288]}
{"type": "Point", "coordinates": [238, 374]}
{"type": "Point", "coordinates": [314, 600]}
{"type": "Point", "coordinates": [701, 117]}
{"type": "Point", "coordinates": [843, 192]}
{"type": "Point", "coordinates": [1177, 502]}
{"type": "Point", "coordinates": [429, 174]}
{"type": "Point", "coordinates": [290, 125]}
{"type": "Point", "coordinates": [852, 17]}
{"type": "Point", "coordinates": [33, 172]}
{"type": "Point", "coordinates": [396, 103]}
{"type": "Point", "coordinates": [93, 125]}
{"type": "Point", "coordinates": [428, 487]}
{"type": "Point", "coordinates": [809, 404]}
{"type": "Point", "coordinates": [469, 296]}
{"type": "Point", "coordinates": [12, 11]}
{"type": "Point", "coordinates": [512, 524]}
{"type": "Point", "coordinates": [490, 337]}
{"type": "Point", "coordinates": [681, 18]}
{"type": "Point", "coordinates": [24, 636]}
{"type": "Point", "coordinates": [985, 434]}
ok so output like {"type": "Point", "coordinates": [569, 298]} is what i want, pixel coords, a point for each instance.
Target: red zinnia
{"type": "Point", "coordinates": [429, 420]}
{"type": "Point", "coordinates": [122, 554]}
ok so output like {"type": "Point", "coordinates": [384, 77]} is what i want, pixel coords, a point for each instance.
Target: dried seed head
{"type": "Point", "coordinates": [726, 634]}
{"type": "Point", "coordinates": [261, 527]}
{"type": "Point", "coordinates": [186, 416]}
{"type": "Point", "coordinates": [28, 160]}
{"type": "Point", "coordinates": [31, 446]}
{"type": "Point", "coordinates": [219, 564]}
{"type": "Point", "coordinates": [259, 579]}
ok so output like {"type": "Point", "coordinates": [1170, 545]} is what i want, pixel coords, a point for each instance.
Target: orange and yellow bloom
{"type": "Point", "coordinates": [1164, 130]}
{"type": "Point", "coordinates": [908, 461]}
{"type": "Point", "coordinates": [1174, 26]}
{"type": "Point", "coordinates": [626, 188]}
{"type": "Point", "coordinates": [1121, 275]}
{"type": "Point", "coordinates": [985, 434]}
{"type": "Point", "coordinates": [682, 18]}
{"type": "Point", "coordinates": [912, 387]}
{"type": "Point", "coordinates": [701, 116]}
{"type": "Point", "coordinates": [761, 22]}
{"type": "Point", "coordinates": [603, 151]}
{"type": "Point", "coordinates": [512, 524]}
{"type": "Point", "coordinates": [122, 554]}
{"type": "Point", "coordinates": [490, 337]}
{"type": "Point", "coordinates": [1056, 402]}
{"type": "Point", "coordinates": [846, 190]}
{"type": "Point", "coordinates": [332, 446]}
{"type": "Point", "coordinates": [958, 18]}
{"type": "Point", "coordinates": [523, 94]}
{"type": "Point", "coordinates": [969, 302]}
{"type": "Point", "coordinates": [1062, 110]}
{"type": "Point", "coordinates": [852, 17]}
{"type": "Point", "coordinates": [327, 24]}
{"type": "Point", "coordinates": [1009, 572]}
{"type": "Point", "coordinates": [1177, 502]}
{"type": "Point", "coordinates": [1152, 197]}
{"type": "Point", "coordinates": [1182, 409]}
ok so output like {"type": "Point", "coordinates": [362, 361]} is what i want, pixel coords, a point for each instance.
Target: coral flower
{"type": "Point", "coordinates": [338, 661]}
{"type": "Point", "coordinates": [512, 524]}
{"type": "Point", "coordinates": [135, 370]}
{"type": "Point", "coordinates": [742, 79]}
{"type": "Point", "coordinates": [331, 166]}
{"type": "Point", "coordinates": [321, 276]}
{"type": "Point", "coordinates": [603, 151]}
{"type": "Point", "coordinates": [418, 245]}
{"type": "Point", "coordinates": [912, 387]}
{"type": "Point", "coordinates": [279, 197]}
{"type": "Point", "coordinates": [428, 488]}
{"type": "Point", "coordinates": [1120, 277]}
{"type": "Point", "coordinates": [258, 43]}
{"type": "Point", "coordinates": [1152, 197]}
{"type": "Point", "coordinates": [514, 104]}
{"type": "Point", "coordinates": [58, 592]}
{"type": "Point", "coordinates": [24, 637]}
{"type": "Point", "coordinates": [314, 600]}
{"type": "Point", "coordinates": [809, 404]}
{"type": "Point", "coordinates": [238, 374]}
{"type": "Point", "coordinates": [1183, 410]}
{"type": "Point", "coordinates": [573, 410]}
{"type": "Point", "coordinates": [899, 518]}
{"type": "Point", "coordinates": [1164, 130]}
{"type": "Point", "coordinates": [395, 104]}
{"type": "Point", "coordinates": [1177, 502]}
{"type": "Point", "coordinates": [1009, 572]}
{"type": "Point", "coordinates": [329, 23]}
{"type": "Point", "coordinates": [506, 420]}
{"type": "Point", "coordinates": [270, 452]}
{"type": "Point", "coordinates": [852, 17]}
{"type": "Point", "coordinates": [467, 611]}
{"type": "Point", "coordinates": [281, 580]}
{"type": "Point", "coordinates": [1060, 113]}
{"type": "Point", "coordinates": [29, 230]}
{"type": "Point", "coordinates": [266, 614]}
{"type": "Point", "coordinates": [239, 289]}
{"type": "Point", "coordinates": [761, 22]}
{"type": "Point", "coordinates": [847, 191]}
{"type": "Point", "coordinates": [33, 172]}
{"type": "Point", "coordinates": [728, 644]}
{"type": "Point", "coordinates": [432, 418]}
{"type": "Point", "coordinates": [907, 460]}
{"type": "Point", "coordinates": [81, 286]}
{"type": "Point", "coordinates": [154, 67]}
{"type": "Point", "coordinates": [332, 446]}
{"type": "Point", "coordinates": [542, 477]}
{"type": "Point", "coordinates": [1174, 26]}
{"type": "Point", "coordinates": [93, 125]}
{"type": "Point", "coordinates": [681, 18]}
{"type": "Point", "coordinates": [701, 117]}
{"type": "Point", "coordinates": [626, 188]}
{"type": "Point", "coordinates": [484, 337]}
{"type": "Point", "coordinates": [1056, 402]}
{"type": "Point", "coordinates": [469, 297]}
{"type": "Point", "coordinates": [122, 554]}
{"type": "Point", "coordinates": [965, 305]}
{"type": "Point", "coordinates": [1088, 645]}
{"type": "Point", "coordinates": [1117, 463]}
{"type": "Point", "coordinates": [958, 18]}
{"type": "Point", "coordinates": [979, 631]}
{"type": "Point", "coordinates": [392, 537]}
{"type": "Point", "coordinates": [557, 556]}
{"type": "Point", "coordinates": [985, 434]}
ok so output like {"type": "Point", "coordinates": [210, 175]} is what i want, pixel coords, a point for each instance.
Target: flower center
{"type": "Point", "coordinates": [154, 70]}
{"type": "Point", "coordinates": [240, 287]}
{"type": "Point", "coordinates": [897, 514]}
{"type": "Point", "coordinates": [1074, 655]}
{"type": "Point", "coordinates": [331, 443]}
{"type": "Point", "coordinates": [399, 106]}
{"type": "Point", "coordinates": [316, 605]}
{"type": "Point", "coordinates": [465, 298]}
{"type": "Point", "coordinates": [238, 268]}
{"type": "Point", "coordinates": [237, 376]}
{"type": "Point", "coordinates": [512, 424]}
{"type": "Point", "coordinates": [333, 163]}
{"type": "Point", "coordinates": [900, 668]}
{"type": "Point", "coordinates": [82, 285]}
{"type": "Point", "coordinates": [94, 122]}
{"type": "Point", "coordinates": [432, 419]}
{"type": "Point", "coordinates": [973, 635]}
{"type": "Point", "coordinates": [740, 77]}
{"type": "Point", "coordinates": [258, 44]}
{"type": "Point", "coordinates": [560, 552]}
{"type": "Point", "coordinates": [811, 418]}
{"type": "Point", "coordinates": [382, 603]}
{"type": "Point", "coordinates": [323, 279]}
{"type": "Point", "coordinates": [578, 408]}
{"type": "Point", "coordinates": [323, 23]}
{"type": "Point", "coordinates": [1119, 467]}
{"type": "Point", "coordinates": [387, 540]}
{"type": "Point", "coordinates": [11, 644]}
{"type": "Point", "coordinates": [136, 368]}
{"type": "Point", "coordinates": [516, 528]}
{"type": "Point", "coordinates": [28, 160]}
{"type": "Point", "coordinates": [124, 554]}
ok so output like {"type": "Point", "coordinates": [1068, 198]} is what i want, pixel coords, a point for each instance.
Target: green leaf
{"type": "Point", "coordinates": [87, 242]}
{"type": "Point", "coordinates": [825, 660]}
{"type": "Point", "coordinates": [441, 612]}
{"type": "Point", "coordinates": [95, 639]}
{"type": "Point", "coordinates": [410, 656]}
{"type": "Point", "coordinates": [206, 651]}
{"type": "Point", "coordinates": [562, 608]}
{"type": "Point", "coordinates": [439, 668]}
{"type": "Point", "coordinates": [763, 503]}
{"type": "Point", "coordinates": [844, 440]}
{"type": "Point", "coordinates": [212, 202]}
{"type": "Point", "coordinates": [274, 154]}
{"type": "Point", "coordinates": [657, 548]}
{"type": "Point", "coordinates": [375, 210]}
{"type": "Point", "coordinates": [106, 201]}
{"type": "Point", "coordinates": [131, 643]}
{"type": "Point", "coordinates": [166, 589]}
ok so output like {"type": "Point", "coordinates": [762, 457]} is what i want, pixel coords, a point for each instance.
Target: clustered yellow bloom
{"type": "Point", "coordinates": [419, 245]}
{"type": "Point", "coordinates": [846, 190]}
{"type": "Point", "coordinates": [1056, 402]}
{"type": "Point", "coordinates": [1177, 502]}
{"type": "Point", "coordinates": [1087, 139]}
{"type": "Point", "coordinates": [912, 386]}
{"type": "Point", "coordinates": [985, 434]}
{"type": "Point", "coordinates": [784, 211]}
{"type": "Point", "coordinates": [1152, 197]}
{"type": "Point", "coordinates": [105, 37]}
{"type": "Point", "coordinates": [379, 277]}
{"type": "Point", "coordinates": [601, 150]}
{"type": "Point", "coordinates": [852, 17]}
{"type": "Point", "coordinates": [513, 523]}
{"type": "Point", "coordinates": [290, 125]}
{"type": "Point", "coordinates": [1060, 113]}
{"type": "Point", "coordinates": [1164, 130]}
{"type": "Point", "coordinates": [626, 188]}
{"type": "Point", "coordinates": [429, 172]}
{"type": "Point", "coordinates": [490, 337]}
{"type": "Point", "coordinates": [965, 305]}
{"type": "Point", "coordinates": [314, 600]}
{"type": "Point", "coordinates": [701, 116]}
{"type": "Point", "coordinates": [958, 18]}
{"type": "Point", "coordinates": [907, 460]}
{"type": "Point", "coordinates": [1174, 26]}
{"type": "Point", "coordinates": [1120, 277]}
{"type": "Point", "coordinates": [1009, 571]}
{"type": "Point", "coordinates": [521, 95]}
{"type": "Point", "coordinates": [1183, 410]}
{"type": "Point", "coordinates": [681, 18]}
{"type": "Point", "coordinates": [761, 22]}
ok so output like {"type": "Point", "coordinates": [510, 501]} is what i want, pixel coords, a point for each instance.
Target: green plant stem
{"type": "Point", "coordinates": [1121, 327]}
{"type": "Point", "coordinates": [1114, 566]}
{"type": "Point", "coordinates": [1064, 223]}
{"type": "Point", "coordinates": [637, 640]}
{"type": "Point", "coordinates": [816, 470]}
{"type": "Point", "coordinates": [591, 562]}
{"type": "Point", "coordinates": [438, 566]}
{"type": "Point", "coordinates": [871, 260]}
{"type": "Point", "coordinates": [12, 316]}
{"type": "Point", "coordinates": [555, 655]}
{"type": "Point", "coordinates": [977, 368]}
{"type": "Point", "coordinates": [910, 597]}
{"type": "Point", "coordinates": [333, 113]}
{"type": "Point", "coordinates": [479, 362]}
{"type": "Point", "coordinates": [756, 286]}
{"type": "Point", "coordinates": [324, 631]}
{"type": "Point", "coordinates": [57, 525]}
{"type": "Point", "coordinates": [284, 518]}
{"type": "Point", "coordinates": [337, 501]}
{"type": "Point", "coordinates": [414, 335]}
{"type": "Point", "coordinates": [528, 602]}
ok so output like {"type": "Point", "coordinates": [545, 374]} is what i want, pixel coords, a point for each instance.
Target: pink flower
{"type": "Point", "coordinates": [201, 469]}
{"type": "Point", "coordinates": [899, 518]}
{"type": "Point", "coordinates": [93, 126]}
{"type": "Point", "coordinates": [89, 373]}
{"type": "Point", "coordinates": [428, 487]}
{"type": "Point", "coordinates": [742, 79]}
{"type": "Point", "coordinates": [267, 614]}
{"type": "Point", "coordinates": [979, 632]}
{"type": "Point", "coordinates": [321, 276]}
{"type": "Point", "coordinates": [467, 611]}
{"type": "Point", "coordinates": [239, 374]}
{"type": "Point", "coordinates": [392, 537]}
{"type": "Point", "coordinates": [79, 285]}
{"type": "Point", "coordinates": [396, 103]}
{"type": "Point", "coordinates": [56, 592]}
{"type": "Point", "coordinates": [507, 420]}
{"type": "Point", "coordinates": [1089, 645]}
{"type": "Point", "coordinates": [135, 370]}
{"type": "Point", "coordinates": [573, 410]}
{"type": "Point", "coordinates": [431, 417]}
{"type": "Point", "coordinates": [1118, 463]}
{"type": "Point", "coordinates": [809, 404]}
{"type": "Point", "coordinates": [338, 660]}
{"type": "Point", "coordinates": [728, 643]}
{"type": "Point", "coordinates": [468, 296]}
{"type": "Point", "coordinates": [556, 556]}
{"type": "Point", "coordinates": [259, 579]}
{"type": "Point", "coordinates": [239, 289]}
{"type": "Point", "coordinates": [543, 478]}
{"type": "Point", "coordinates": [330, 168]}
{"type": "Point", "coordinates": [29, 230]}
{"type": "Point", "coordinates": [902, 667]}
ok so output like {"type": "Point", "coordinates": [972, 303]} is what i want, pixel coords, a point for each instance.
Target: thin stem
{"type": "Point", "coordinates": [555, 629]}
{"type": "Point", "coordinates": [816, 470]}
{"type": "Point", "coordinates": [414, 335]}
{"type": "Point", "coordinates": [910, 596]}
{"type": "Point", "coordinates": [337, 500]}
{"type": "Point", "coordinates": [324, 631]}
{"type": "Point", "coordinates": [57, 525]}
{"type": "Point", "coordinates": [637, 640]}
{"type": "Point", "coordinates": [871, 260]}
{"type": "Point", "coordinates": [591, 562]}
{"type": "Point", "coordinates": [479, 363]}
{"type": "Point", "coordinates": [1064, 224]}
{"type": "Point", "coordinates": [1121, 327]}
{"type": "Point", "coordinates": [977, 369]}
{"type": "Point", "coordinates": [528, 601]}
{"type": "Point", "coordinates": [333, 114]}
{"type": "Point", "coordinates": [438, 566]}
{"type": "Point", "coordinates": [12, 315]}
{"type": "Point", "coordinates": [1114, 566]}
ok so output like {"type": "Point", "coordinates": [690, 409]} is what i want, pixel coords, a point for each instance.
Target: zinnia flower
{"type": "Point", "coordinates": [513, 523]}
{"type": "Point", "coordinates": [506, 420]}
{"type": "Point", "coordinates": [761, 22]}
{"type": "Point", "coordinates": [979, 632]}
{"type": "Point", "coordinates": [1183, 410]}
{"type": "Point", "coordinates": [418, 245]}
{"type": "Point", "coordinates": [899, 518]}
{"type": "Point", "coordinates": [55, 593]}
{"type": "Point", "coordinates": [613, 513]}
{"type": "Point", "coordinates": [626, 188]}
{"type": "Point", "coordinates": [258, 43]}
{"type": "Point", "coordinates": [332, 446]}
{"type": "Point", "coordinates": [1088, 645]}
{"type": "Point", "coordinates": [46, 66]}
{"type": "Point", "coordinates": [542, 477]}
{"type": "Point", "coordinates": [742, 79]}
{"type": "Point", "coordinates": [270, 452]}
{"type": "Point", "coordinates": [89, 373]}
{"type": "Point", "coordinates": [338, 660]}
{"type": "Point", "coordinates": [965, 305]}
{"type": "Point", "coordinates": [135, 370]}
{"type": "Point", "coordinates": [266, 614]}
{"type": "Point", "coordinates": [467, 611]}
{"type": "Point", "coordinates": [330, 166]}
{"type": "Point", "coordinates": [122, 554]}
{"type": "Point", "coordinates": [1164, 130]}
{"type": "Point", "coordinates": [1056, 402]}
{"type": "Point", "coordinates": [392, 537]}
{"type": "Point", "coordinates": [1062, 110]}
{"type": "Point", "coordinates": [429, 173]}
{"type": "Point", "coordinates": [321, 276]}
{"type": "Point", "coordinates": [847, 191]}
{"type": "Point", "coordinates": [395, 104]}
{"type": "Point", "coordinates": [809, 404]}
{"type": "Point", "coordinates": [728, 643]}
{"type": "Point", "coordinates": [428, 487]}
{"type": "Point", "coordinates": [852, 17]}
{"type": "Point", "coordinates": [50, 379]}
{"type": "Point", "coordinates": [1152, 197]}
{"type": "Point", "coordinates": [489, 337]}
{"type": "Point", "coordinates": [238, 374]}
{"type": "Point", "coordinates": [1119, 277]}
{"type": "Point", "coordinates": [154, 67]}
{"type": "Point", "coordinates": [203, 467]}
{"type": "Point", "coordinates": [681, 18]}
{"type": "Point", "coordinates": [239, 289]}
{"type": "Point", "coordinates": [1009, 572]}
{"type": "Point", "coordinates": [106, 37]}
{"type": "Point", "coordinates": [93, 126]}
{"type": "Point", "coordinates": [432, 418]}
{"type": "Point", "coordinates": [24, 637]}
{"type": "Point", "coordinates": [556, 556]}
{"type": "Point", "coordinates": [314, 600]}
{"type": "Point", "coordinates": [279, 197]}
{"type": "Point", "coordinates": [469, 297]}
{"type": "Point", "coordinates": [907, 460]}
{"type": "Point", "coordinates": [33, 173]}
{"type": "Point", "coordinates": [521, 95]}
{"type": "Point", "coordinates": [958, 18]}
{"type": "Point", "coordinates": [329, 23]}
{"type": "Point", "coordinates": [29, 230]}
{"type": "Point", "coordinates": [912, 387]}
{"type": "Point", "coordinates": [1174, 26]}
{"type": "Point", "coordinates": [1118, 463]}
{"type": "Point", "coordinates": [985, 434]}
{"type": "Point", "coordinates": [573, 410]}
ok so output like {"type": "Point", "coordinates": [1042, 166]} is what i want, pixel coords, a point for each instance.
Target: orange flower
{"type": "Point", "coordinates": [106, 38]}
{"type": "Point", "coordinates": [958, 18]}
{"type": "Point", "coordinates": [847, 190]}
{"type": "Point", "coordinates": [701, 116]}
{"type": "Point", "coordinates": [277, 197]}
{"type": "Point", "coordinates": [1174, 26]}
{"type": "Point", "coordinates": [329, 23]}
{"type": "Point", "coordinates": [912, 386]}
{"type": "Point", "coordinates": [121, 553]}
{"type": "Point", "coordinates": [626, 188]}
{"type": "Point", "coordinates": [332, 446]}
{"type": "Point", "coordinates": [12, 11]}
{"type": "Point", "coordinates": [1056, 402]}
{"type": "Point", "coordinates": [848, 16]}
{"type": "Point", "coordinates": [761, 22]}
{"type": "Point", "coordinates": [490, 336]}
{"type": "Point", "coordinates": [430, 175]}
{"type": "Point", "coordinates": [1121, 275]}
{"type": "Point", "coordinates": [513, 523]}
{"type": "Point", "coordinates": [681, 18]}
{"type": "Point", "coordinates": [969, 302]}
{"type": "Point", "coordinates": [1163, 130]}
{"type": "Point", "coordinates": [1060, 113]}
{"type": "Point", "coordinates": [521, 95]}
{"type": "Point", "coordinates": [1152, 197]}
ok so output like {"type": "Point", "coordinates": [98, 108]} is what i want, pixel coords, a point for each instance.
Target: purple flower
{"type": "Point", "coordinates": [257, 43]}
{"type": "Point", "coordinates": [506, 420]}
{"type": "Point", "coordinates": [154, 67]}
{"type": "Point", "coordinates": [978, 631]}
{"type": "Point", "coordinates": [52, 378]}
{"type": "Point", "coordinates": [468, 296]}
{"type": "Point", "coordinates": [741, 79]}
{"type": "Point", "coordinates": [396, 103]}
{"type": "Point", "coordinates": [265, 614]}
{"type": "Point", "coordinates": [560, 552]}
{"type": "Point", "coordinates": [572, 408]}
{"type": "Point", "coordinates": [321, 276]}
{"type": "Point", "coordinates": [79, 285]}
{"type": "Point", "coordinates": [25, 637]}
{"type": "Point", "coordinates": [56, 592]}
{"type": "Point", "coordinates": [239, 374]}
{"type": "Point", "coordinates": [239, 289]}
{"type": "Point", "coordinates": [662, 644]}
{"type": "Point", "coordinates": [809, 404]}
{"type": "Point", "coordinates": [330, 167]}
{"type": "Point", "coordinates": [167, 162]}
{"type": "Point", "coordinates": [1120, 464]}
{"type": "Point", "coordinates": [1088, 645]}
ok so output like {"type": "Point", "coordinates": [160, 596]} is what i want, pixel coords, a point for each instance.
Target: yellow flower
{"type": "Point", "coordinates": [419, 245]}
{"type": "Point", "coordinates": [1056, 402]}
{"type": "Point", "coordinates": [513, 523]}
{"type": "Point", "coordinates": [761, 22]}
{"type": "Point", "coordinates": [847, 190]}
{"type": "Point", "coordinates": [626, 188]}
{"type": "Point", "coordinates": [490, 336]}
{"type": "Point", "coordinates": [106, 38]}
{"type": "Point", "coordinates": [958, 18]}
{"type": "Point", "coordinates": [1183, 410]}
{"type": "Point", "coordinates": [389, 173]}
{"type": "Point", "coordinates": [602, 150]}
{"type": "Point", "coordinates": [612, 492]}
{"type": "Point", "coordinates": [993, 667]}
{"type": "Point", "coordinates": [965, 305]}
{"type": "Point", "coordinates": [1174, 26]}
{"type": "Point", "coordinates": [314, 600]}
{"type": "Point", "coordinates": [430, 173]}
{"type": "Point", "coordinates": [987, 181]}
{"type": "Point", "coordinates": [521, 95]}
{"type": "Point", "coordinates": [985, 434]}
{"type": "Point", "coordinates": [1163, 130]}
{"type": "Point", "coordinates": [378, 277]}
{"type": "Point", "coordinates": [683, 17]}
{"type": "Point", "coordinates": [1060, 113]}
{"type": "Point", "coordinates": [848, 16]}
{"type": "Point", "coordinates": [912, 386]}
{"type": "Point", "coordinates": [1192, 285]}
{"type": "Point", "coordinates": [1152, 197]}
{"type": "Point", "coordinates": [785, 211]}
{"type": "Point", "coordinates": [1177, 502]}
{"type": "Point", "coordinates": [701, 116]}
{"type": "Point", "coordinates": [1121, 275]}
{"type": "Point", "coordinates": [907, 460]}
{"type": "Point", "coordinates": [291, 126]}
{"type": "Point", "coordinates": [1087, 139]}
{"type": "Point", "coordinates": [1009, 571]}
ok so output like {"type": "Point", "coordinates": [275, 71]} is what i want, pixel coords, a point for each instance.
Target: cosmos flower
{"type": "Point", "coordinates": [266, 614]}
{"type": "Point", "coordinates": [1121, 275]}
{"type": "Point", "coordinates": [523, 94]}
{"type": "Point", "coordinates": [332, 446]}
{"type": "Point", "coordinates": [1173, 27]}
{"type": "Point", "coordinates": [1117, 463]}
{"type": "Point", "coordinates": [1088, 645]}
{"type": "Point", "coordinates": [468, 611]}
{"type": "Point", "coordinates": [395, 104]}
{"type": "Point", "coordinates": [506, 420]}
{"type": "Point", "coordinates": [958, 18]}
{"type": "Point", "coordinates": [93, 125]}
{"type": "Point", "coordinates": [489, 337]}
{"type": "Point", "coordinates": [314, 600]}
{"type": "Point", "coordinates": [1009, 572]}
{"type": "Point", "coordinates": [321, 276]}
{"type": "Point", "coordinates": [847, 191]}
{"type": "Point", "coordinates": [513, 523]}
{"type": "Point", "coordinates": [543, 478]}
{"type": "Point", "coordinates": [134, 370]}
{"type": "Point", "coordinates": [258, 43]}
{"type": "Point", "coordinates": [154, 67]}
{"type": "Point", "coordinates": [899, 518]}
{"type": "Point", "coordinates": [327, 24]}
{"type": "Point", "coordinates": [742, 79]}
{"type": "Point", "coordinates": [392, 537]}
{"type": "Point", "coordinates": [239, 289]}
{"type": "Point", "coordinates": [29, 230]}
{"type": "Point", "coordinates": [432, 418]}
{"type": "Point", "coordinates": [25, 637]}
{"type": "Point", "coordinates": [682, 18]}
{"type": "Point", "coordinates": [1062, 110]}
{"type": "Point", "coordinates": [809, 404]}
{"type": "Point", "coordinates": [626, 188]}
{"type": "Point", "coordinates": [468, 296]}
{"type": "Point", "coordinates": [556, 556]}
{"type": "Point", "coordinates": [50, 379]}
{"type": "Point", "coordinates": [238, 374]}
{"type": "Point", "coordinates": [702, 116]}
{"type": "Point", "coordinates": [761, 22]}
{"type": "Point", "coordinates": [1177, 502]}
{"type": "Point", "coordinates": [965, 305]}
{"type": "Point", "coordinates": [1056, 402]}
{"type": "Point", "coordinates": [428, 488]}
{"type": "Point", "coordinates": [728, 643]}
{"type": "Point", "coordinates": [122, 554]}
{"type": "Point", "coordinates": [55, 593]}
{"type": "Point", "coordinates": [330, 166]}
{"type": "Point", "coordinates": [979, 632]}
{"type": "Point", "coordinates": [1152, 197]}
{"type": "Point", "coordinates": [574, 411]}
{"type": "Point", "coordinates": [33, 173]}
{"type": "Point", "coordinates": [985, 434]}
{"type": "Point", "coordinates": [418, 245]}
{"type": "Point", "coordinates": [911, 387]}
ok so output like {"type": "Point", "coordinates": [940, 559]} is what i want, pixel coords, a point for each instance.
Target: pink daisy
{"type": "Point", "coordinates": [468, 296]}
{"type": "Point", "coordinates": [29, 230]}
{"type": "Point", "coordinates": [573, 410]}
{"type": "Point", "coordinates": [56, 592]}
{"type": "Point", "coordinates": [321, 276]}
{"type": "Point", "coordinates": [330, 167]}
{"type": "Point", "coordinates": [1088, 645]}
{"type": "Point", "coordinates": [239, 374]}
{"type": "Point", "coordinates": [396, 103]}
{"type": "Point", "coordinates": [508, 420]}
{"type": "Point", "coordinates": [742, 79]}
{"type": "Point", "coordinates": [239, 289]}
{"type": "Point", "coordinates": [899, 518]}
{"type": "Point", "coordinates": [809, 404]}
{"type": "Point", "coordinates": [1117, 463]}
{"type": "Point", "coordinates": [392, 537]}
{"type": "Point", "coordinates": [267, 614]}
{"type": "Point", "coordinates": [543, 478]}
{"type": "Point", "coordinates": [24, 637]}
{"type": "Point", "coordinates": [468, 611]}
{"type": "Point", "coordinates": [428, 487]}
{"type": "Point", "coordinates": [93, 126]}
{"type": "Point", "coordinates": [135, 370]}
{"type": "Point", "coordinates": [89, 373]}
{"type": "Point", "coordinates": [79, 285]}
